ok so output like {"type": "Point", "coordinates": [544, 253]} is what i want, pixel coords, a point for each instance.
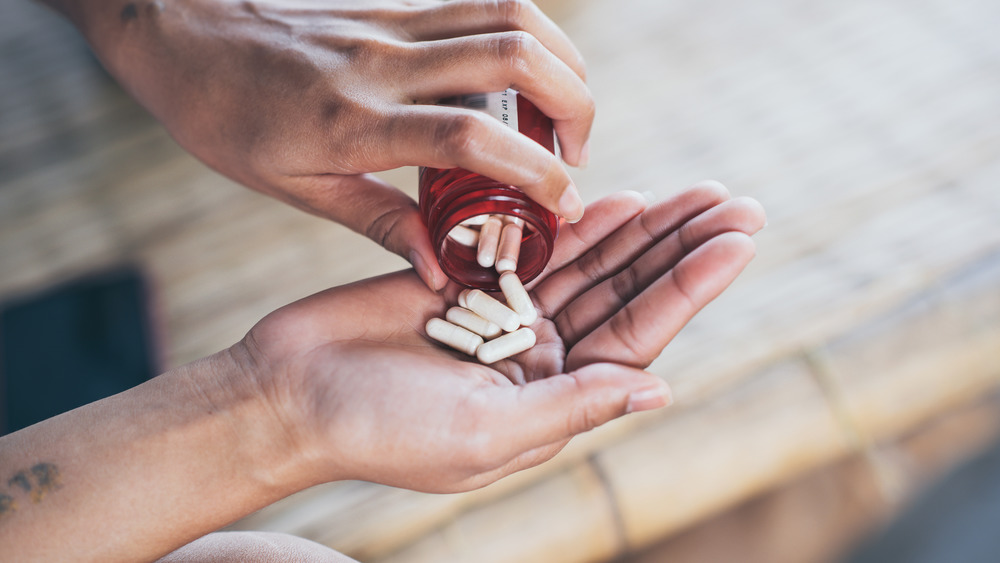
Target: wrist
{"type": "Point", "coordinates": [131, 39]}
{"type": "Point", "coordinates": [265, 446]}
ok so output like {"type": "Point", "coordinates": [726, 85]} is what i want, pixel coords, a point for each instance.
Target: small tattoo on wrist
{"type": "Point", "coordinates": [36, 483]}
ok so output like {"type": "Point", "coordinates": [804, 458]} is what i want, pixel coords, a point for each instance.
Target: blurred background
{"type": "Point", "coordinates": [855, 363]}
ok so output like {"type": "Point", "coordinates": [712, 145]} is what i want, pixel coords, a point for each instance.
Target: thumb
{"type": "Point", "coordinates": [563, 406]}
{"type": "Point", "coordinates": [381, 212]}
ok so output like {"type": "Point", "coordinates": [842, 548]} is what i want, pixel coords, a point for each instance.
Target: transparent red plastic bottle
{"type": "Point", "coordinates": [450, 196]}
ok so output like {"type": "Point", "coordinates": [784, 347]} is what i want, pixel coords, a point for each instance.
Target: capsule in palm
{"type": "Point", "coordinates": [453, 336]}
{"type": "Point", "coordinates": [489, 308]}
{"type": "Point", "coordinates": [506, 346]}
{"type": "Point", "coordinates": [472, 322]}
{"type": "Point", "coordinates": [518, 298]}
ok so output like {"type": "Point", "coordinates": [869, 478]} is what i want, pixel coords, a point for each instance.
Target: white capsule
{"type": "Point", "coordinates": [489, 238]}
{"type": "Point", "coordinates": [512, 220]}
{"type": "Point", "coordinates": [461, 297]}
{"type": "Point", "coordinates": [476, 221]}
{"type": "Point", "coordinates": [485, 306]}
{"type": "Point", "coordinates": [473, 322]}
{"type": "Point", "coordinates": [454, 336]}
{"type": "Point", "coordinates": [517, 298]}
{"type": "Point", "coordinates": [509, 248]}
{"type": "Point", "coordinates": [506, 346]}
{"type": "Point", "coordinates": [464, 236]}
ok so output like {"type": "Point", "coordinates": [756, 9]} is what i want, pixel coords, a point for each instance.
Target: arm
{"type": "Point", "coordinates": [136, 475]}
{"type": "Point", "coordinates": [302, 103]}
{"type": "Point", "coordinates": [344, 385]}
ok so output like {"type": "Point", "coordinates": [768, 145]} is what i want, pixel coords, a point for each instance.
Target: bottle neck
{"type": "Point", "coordinates": [469, 195]}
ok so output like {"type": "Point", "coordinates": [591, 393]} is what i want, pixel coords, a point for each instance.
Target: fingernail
{"type": "Point", "coordinates": [570, 204]}
{"type": "Point", "coordinates": [584, 155]}
{"type": "Point", "coordinates": [650, 398]}
{"type": "Point", "coordinates": [650, 196]}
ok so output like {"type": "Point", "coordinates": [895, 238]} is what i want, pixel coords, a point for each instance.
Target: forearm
{"type": "Point", "coordinates": [136, 475]}
{"type": "Point", "coordinates": [195, 66]}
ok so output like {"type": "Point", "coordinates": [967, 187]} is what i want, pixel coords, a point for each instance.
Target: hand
{"type": "Point", "coordinates": [343, 385]}
{"type": "Point", "coordinates": [302, 101]}
{"type": "Point", "coordinates": [365, 395]}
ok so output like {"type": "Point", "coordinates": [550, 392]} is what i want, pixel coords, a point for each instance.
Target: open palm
{"type": "Point", "coordinates": [367, 395]}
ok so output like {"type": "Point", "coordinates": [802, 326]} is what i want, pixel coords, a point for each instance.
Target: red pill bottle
{"type": "Point", "coordinates": [450, 196]}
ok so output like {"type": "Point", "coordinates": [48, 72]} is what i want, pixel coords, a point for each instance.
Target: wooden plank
{"type": "Point", "coordinates": [936, 351]}
{"type": "Point", "coordinates": [821, 515]}
{"type": "Point", "coordinates": [702, 459]}
{"type": "Point", "coordinates": [772, 426]}
{"type": "Point", "coordinates": [371, 521]}
{"type": "Point", "coordinates": [775, 428]}
{"type": "Point", "coordinates": [566, 518]}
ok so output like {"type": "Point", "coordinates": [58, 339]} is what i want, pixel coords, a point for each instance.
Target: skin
{"type": "Point", "coordinates": [324, 389]}
{"type": "Point", "coordinates": [303, 100]}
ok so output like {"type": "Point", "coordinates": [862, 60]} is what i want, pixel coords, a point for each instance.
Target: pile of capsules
{"type": "Point", "coordinates": [480, 325]}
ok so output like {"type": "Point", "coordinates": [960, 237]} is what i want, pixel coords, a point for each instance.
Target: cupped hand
{"type": "Point", "coordinates": [368, 396]}
{"type": "Point", "coordinates": [303, 100]}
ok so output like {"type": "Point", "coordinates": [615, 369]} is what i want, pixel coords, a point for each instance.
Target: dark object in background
{"type": "Point", "coordinates": [953, 522]}
{"type": "Point", "coordinates": [72, 345]}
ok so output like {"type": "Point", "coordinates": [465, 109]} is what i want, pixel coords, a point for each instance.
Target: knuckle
{"type": "Point", "coordinates": [515, 49]}
{"type": "Point", "coordinates": [555, 173]}
{"type": "Point", "coordinates": [381, 229]}
{"type": "Point", "coordinates": [566, 324]}
{"type": "Point", "coordinates": [581, 420]}
{"type": "Point", "coordinates": [361, 48]}
{"type": "Point", "coordinates": [372, 51]}
{"type": "Point", "coordinates": [582, 417]}
{"type": "Point", "coordinates": [594, 264]}
{"type": "Point", "coordinates": [625, 285]}
{"type": "Point", "coordinates": [551, 176]}
{"type": "Point", "coordinates": [458, 136]}
{"type": "Point", "coordinates": [356, 132]}
{"type": "Point", "coordinates": [635, 354]}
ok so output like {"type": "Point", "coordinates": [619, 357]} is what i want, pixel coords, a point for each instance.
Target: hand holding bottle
{"type": "Point", "coordinates": [301, 103]}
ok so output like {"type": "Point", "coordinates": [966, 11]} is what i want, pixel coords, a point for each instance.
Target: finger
{"type": "Point", "coordinates": [637, 333]}
{"type": "Point", "coordinates": [604, 217]}
{"type": "Point", "coordinates": [475, 17]}
{"type": "Point", "coordinates": [445, 137]}
{"type": "Point", "coordinates": [577, 273]}
{"type": "Point", "coordinates": [497, 61]}
{"type": "Point", "coordinates": [379, 211]}
{"type": "Point", "coordinates": [544, 414]}
{"type": "Point", "coordinates": [594, 307]}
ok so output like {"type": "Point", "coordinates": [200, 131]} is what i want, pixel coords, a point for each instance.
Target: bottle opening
{"type": "Point", "coordinates": [473, 198]}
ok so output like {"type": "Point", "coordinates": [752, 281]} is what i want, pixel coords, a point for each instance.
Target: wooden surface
{"type": "Point", "coordinates": [823, 514]}
{"type": "Point", "coordinates": [870, 132]}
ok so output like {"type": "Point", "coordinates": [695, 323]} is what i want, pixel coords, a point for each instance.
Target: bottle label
{"type": "Point", "coordinates": [501, 105]}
